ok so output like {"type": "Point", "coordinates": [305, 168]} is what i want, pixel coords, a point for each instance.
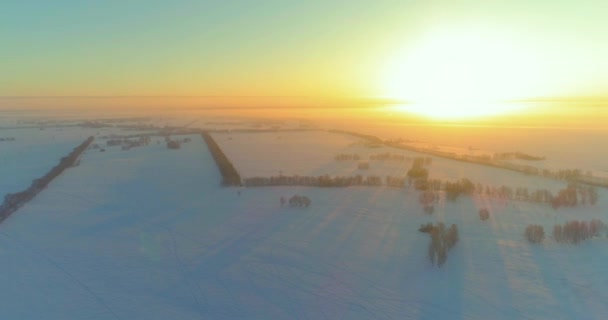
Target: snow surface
{"type": "Point", "coordinates": [312, 153]}
{"type": "Point", "coordinates": [33, 154]}
{"type": "Point", "coordinates": [149, 234]}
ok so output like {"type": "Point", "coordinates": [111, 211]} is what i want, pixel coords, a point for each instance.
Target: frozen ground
{"type": "Point", "coordinates": [149, 234]}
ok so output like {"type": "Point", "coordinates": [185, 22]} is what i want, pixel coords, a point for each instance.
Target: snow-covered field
{"type": "Point", "coordinates": [33, 153]}
{"type": "Point", "coordinates": [149, 234]}
{"type": "Point", "coordinates": [312, 153]}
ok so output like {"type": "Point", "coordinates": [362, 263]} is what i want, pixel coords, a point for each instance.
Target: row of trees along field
{"type": "Point", "coordinates": [572, 232]}
{"type": "Point", "coordinates": [572, 195]}
{"type": "Point", "coordinates": [369, 139]}
{"type": "Point", "coordinates": [386, 156]}
{"type": "Point", "coordinates": [517, 155]}
{"type": "Point", "coordinates": [313, 181]}
{"type": "Point", "coordinates": [569, 175]}
{"type": "Point", "coordinates": [230, 177]}
{"type": "Point", "coordinates": [14, 201]}
{"type": "Point", "coordinates": [577, 231]}
{"type": "Point", "coordinates": [347, 157]}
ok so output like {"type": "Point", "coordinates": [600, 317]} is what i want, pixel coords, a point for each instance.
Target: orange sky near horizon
{"type": "Point", "coordinates": [588, 114]}
{"type": "Point", "coordinates": [448, 60]}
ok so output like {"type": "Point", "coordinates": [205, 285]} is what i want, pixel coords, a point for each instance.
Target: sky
{"type": "Point", "coordinates": [333, 48]}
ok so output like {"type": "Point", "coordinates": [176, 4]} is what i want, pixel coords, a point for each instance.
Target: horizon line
{"type": "Point", "coordinates": [540, 98]}
{"type": "Point", "coordinates": [185, 96]}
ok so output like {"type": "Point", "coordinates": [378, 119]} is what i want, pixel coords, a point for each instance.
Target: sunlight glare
{"type": "Point", "coordinates": [461, 73]}
{"type": "Point", "coordinates": [458, 110]}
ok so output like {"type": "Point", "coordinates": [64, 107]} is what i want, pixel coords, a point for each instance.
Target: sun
{"type": "Point", "coordinates": [460, 73]}
{"type": "Point", "coordinates": [458, 110]}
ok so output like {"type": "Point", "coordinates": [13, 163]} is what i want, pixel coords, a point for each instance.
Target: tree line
{"type": "Point", "coordinates": [230, 177]}
{"type": "Point", "coordinates": [313, 181]}
{"type": "Point", "coordinates": [297, 201]}
{"type": "Point", "coordinates": [571, 196]}
{"type": "Point", "coordinates": [577, 231]}
{"type": "Point", "coordinates": [571, 232]}
{"type": "Point", "coordinates": [517, 155]}
{"type": "Point", "coordinates": [570, 175]}
{"type": "Point", "coordinates": [386, 156]}
{"type": "Point", "coordinates": [368, 138]}
{"type": "Point", "coordinates": [13, 201]}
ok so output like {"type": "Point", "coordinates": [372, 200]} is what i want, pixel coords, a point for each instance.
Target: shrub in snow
{"type": "Point", "coordinates": [427, 228]}
{"type": "Point", "coordinates": [442, 240]}
{"type": "Point", "coordinates": [418, 173]}
{"type": "Point", "coordinates": [534, 233]}
{"type": "Point", "coordinates": [173, 144]}
{"type": "Point", "coordinates": [454, 189]}
{"type": "Point", "coordinates": [299, 201]}
{"type": "Point", "coordinates": [484, 214]}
